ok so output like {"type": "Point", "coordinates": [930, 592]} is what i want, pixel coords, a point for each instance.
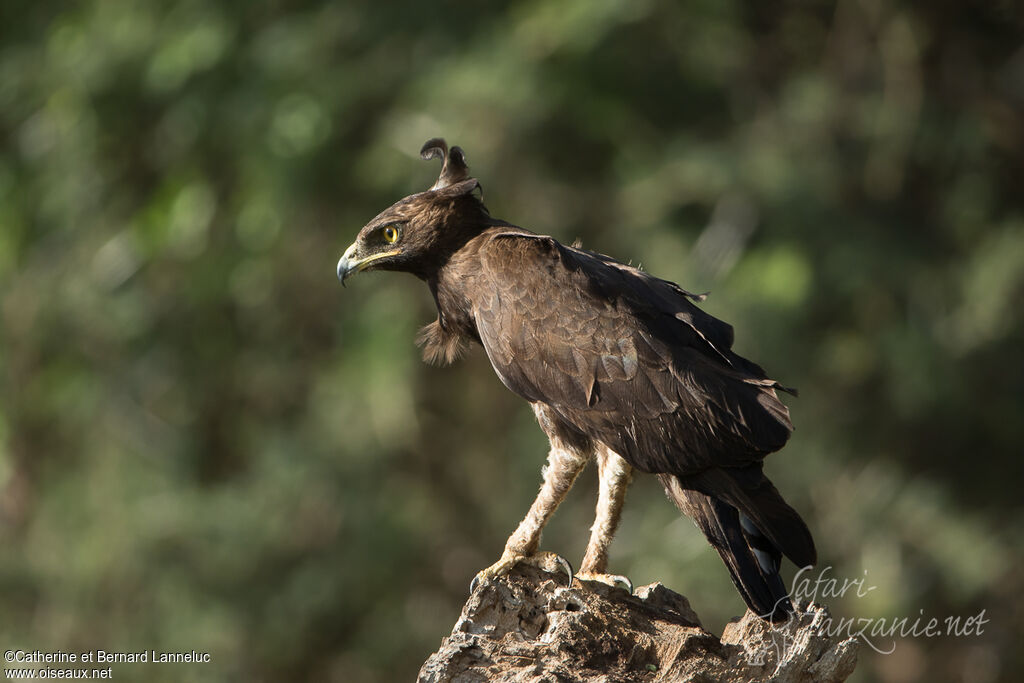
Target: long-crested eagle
{"type": "Point", "coordinates": [618, 365]}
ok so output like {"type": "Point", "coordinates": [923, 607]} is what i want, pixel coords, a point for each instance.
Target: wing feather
{"type": "Point", "coordinates": [625, 357]}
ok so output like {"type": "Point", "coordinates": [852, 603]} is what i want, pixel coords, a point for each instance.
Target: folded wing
{"type": "Point", "coordinates": [625, 357]}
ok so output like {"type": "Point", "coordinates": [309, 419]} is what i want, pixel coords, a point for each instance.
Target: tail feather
{"type": "Point", "coordinates": [769, 559]}
{"type": "Point", "coordinates": [750, 492]}
{"type": "Point", "coordinates": [752, 556]}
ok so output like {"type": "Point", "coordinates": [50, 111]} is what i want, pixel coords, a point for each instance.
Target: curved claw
{"type": "Point", "coordinates": [565, 567]}
{"type": "Point", "coordinates": [549, 562]}
{"type": "Point", "coordinates": [613, 580]}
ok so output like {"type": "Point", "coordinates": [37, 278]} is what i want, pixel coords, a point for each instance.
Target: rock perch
{"type": "Point", "coordinates": [528, 627]}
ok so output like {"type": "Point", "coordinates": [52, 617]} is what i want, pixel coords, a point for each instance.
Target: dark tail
{"type": "Point", "coordinates": [751, 530]}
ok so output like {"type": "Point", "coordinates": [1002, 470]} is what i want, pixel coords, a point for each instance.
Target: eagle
{"type": "Point", "coordinates": [619, 366]}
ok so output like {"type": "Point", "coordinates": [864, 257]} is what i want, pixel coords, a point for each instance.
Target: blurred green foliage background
{"type": "Point", "coordinates": [205, 443]}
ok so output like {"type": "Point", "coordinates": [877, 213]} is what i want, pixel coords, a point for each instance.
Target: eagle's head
{"type": "Point", "coordinates": [419, 233]}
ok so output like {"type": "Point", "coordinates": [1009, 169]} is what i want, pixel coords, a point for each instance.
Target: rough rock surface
{"type": "Point", "coordinates": [529, 627]}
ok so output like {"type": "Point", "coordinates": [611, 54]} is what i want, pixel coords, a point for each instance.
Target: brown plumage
{"type": "Point", "coordinates": [616, 362]}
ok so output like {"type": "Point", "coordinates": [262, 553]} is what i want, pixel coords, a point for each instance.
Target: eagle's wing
{"type": "Point", "coordinates": [624, 357]}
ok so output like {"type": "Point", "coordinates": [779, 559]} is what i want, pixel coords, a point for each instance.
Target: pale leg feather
{"type": "Point", "coordinates": [614, 476]}
{"type": "Point", "coordinates": [564, 465]}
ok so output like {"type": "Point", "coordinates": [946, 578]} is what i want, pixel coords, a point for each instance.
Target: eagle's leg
{"type": "Point", "coordinates": [564, 465]}
{"type": "Point", "coordinates": [614, 475]}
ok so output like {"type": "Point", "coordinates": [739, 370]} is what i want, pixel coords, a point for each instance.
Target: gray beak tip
{"type": "Point", "coordinates": [345, 264]}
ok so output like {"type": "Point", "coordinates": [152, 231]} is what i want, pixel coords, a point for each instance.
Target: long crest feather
{"type": "Point", "coordinates": [454, 169]}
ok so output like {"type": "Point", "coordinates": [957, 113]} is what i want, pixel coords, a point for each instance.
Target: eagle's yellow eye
{"type": "Point", "coordinates": [391, 234]}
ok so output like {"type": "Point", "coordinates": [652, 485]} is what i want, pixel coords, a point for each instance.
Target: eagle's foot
{"type": "Point", "coordinates": [549, 562]}
{"type": "Point", "coordinates": [613, 580]}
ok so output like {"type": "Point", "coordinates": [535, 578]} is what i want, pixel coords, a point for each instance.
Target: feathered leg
{"type": "Point", "coordinates": [564, 465]}
{"type": "Point", "coordinates": [614, 476]}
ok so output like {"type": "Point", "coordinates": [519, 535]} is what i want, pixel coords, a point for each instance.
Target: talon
{"type": "Point", "coordinates": [566, 567]}
{"type": "Point", "coordinates": [549, 562]}
{"type": "Point", "coordinates": [499, 568]}
{"type": "Point", "coordinates": [613, 580]}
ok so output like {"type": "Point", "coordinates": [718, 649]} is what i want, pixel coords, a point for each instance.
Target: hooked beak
{"type": "Point", "coordinates": [349, 265]}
